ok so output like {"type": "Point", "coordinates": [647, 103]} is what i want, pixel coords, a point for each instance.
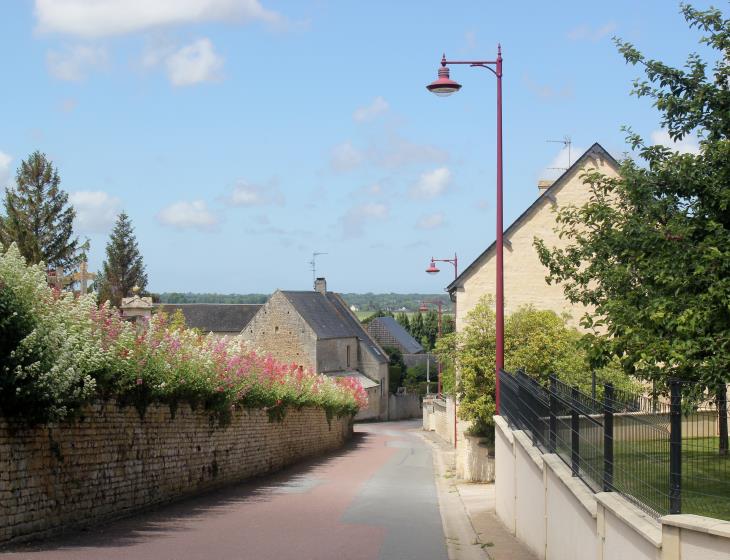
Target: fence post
{"type": "Point", "coordinates": [575, 433]}
{"type": "Point", "coordinates": [593, 384]}
{"type": "Point", "coordinates": [675, 448]}
{"type": "Point", "coordinates": [608, 397]}
{"type": "Point", "coordinates": [553, 437]}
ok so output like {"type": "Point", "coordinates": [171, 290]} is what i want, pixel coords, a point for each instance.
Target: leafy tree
{"type": "Point", "coordinates": [649, 253]}
{"type": "Point", "coordinates": [536, 341]}
{"type": "Point", "coordinates": [396, 367]}
{"type": "Point", "coordinates": [38, 218]}
{"type": "Point", "coordinates": [430, 328]}
{"type": "Point", "coordinates": [123, 268]}
{"type": "Point", "coordinates": [403, 321]}
{"type": "Point", "coordinates": [417, 327]}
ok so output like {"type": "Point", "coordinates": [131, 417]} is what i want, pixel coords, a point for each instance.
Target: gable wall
{"type": "Point", "coordinates": [524, 274]}
{"type": "Point", "coordinates": [293, 342]}
{"type": "Point", "coordinates": [332, 354]}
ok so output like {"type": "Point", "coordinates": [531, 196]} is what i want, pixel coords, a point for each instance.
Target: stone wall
{"type": "Point", "coordinates": [404, 407]}
{"type": "Point", "coordinates": [109, 462]}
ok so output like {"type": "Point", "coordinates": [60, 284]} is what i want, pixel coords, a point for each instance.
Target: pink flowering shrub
{"type": "Point", "coordinates": [79, 351]}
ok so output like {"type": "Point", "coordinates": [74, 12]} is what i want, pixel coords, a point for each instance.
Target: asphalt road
{"type": "Point", "coordinates": [374, 499]}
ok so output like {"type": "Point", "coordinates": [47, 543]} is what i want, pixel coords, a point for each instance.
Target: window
{"type": "Point", "coordinates": [276, 329]}
{"type": "Point", "coordinates": [348, 355]}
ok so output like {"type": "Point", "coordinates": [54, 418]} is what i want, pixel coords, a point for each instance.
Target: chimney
{"type": "Point", "coordinates": [543, 185]}
{"type": "Point", "coordinates": [320, 285]}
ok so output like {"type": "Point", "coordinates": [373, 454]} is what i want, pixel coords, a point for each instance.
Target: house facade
{"type": "Point", "coordinates": [317, 330]}
{"type": "Point", "coordinates": [524, 274]}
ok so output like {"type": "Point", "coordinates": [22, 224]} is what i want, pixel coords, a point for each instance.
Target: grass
{"type": "Point", "coordinates": [641, 470]}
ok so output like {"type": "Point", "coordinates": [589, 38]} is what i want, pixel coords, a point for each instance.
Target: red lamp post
{"type": "Point", "coordinates": [433, 269]}
{"type": "Point", "coordinates": [444, 86]}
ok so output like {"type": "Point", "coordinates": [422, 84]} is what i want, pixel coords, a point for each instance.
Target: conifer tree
{"type": "Point", "coordinates": [38, 217]}
{"type": "Point", "coordinates": [403, 321]}
{"type": "Point", "coordinates": [123, 268]}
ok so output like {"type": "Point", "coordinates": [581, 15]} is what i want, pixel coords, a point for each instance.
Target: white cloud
{"type": "Point", "coordinates": [101, 18]}
{"type": "Point", "coordinates": [96, 211]}
{"type": "Point", "coordinates": [346, 157]}
{"type": "Point", "coordinates": [431, 221]}
{"type": "Point", "coordinates": [546, 91]}
{"type": "Point", "coordinates": [247, 194]}
{"type": "Point", "coordinates": [687, 145]}
{"type": "Point", "coordinates": [188, 215]}
{"type": "Point", "coordinates": [75, 62]}
{"type": "Point", "coordinates": [396, 152]}
{"type": "Point", "coordinates": [68, 105]}
{"type": "Point", "coordinates": [192, 64]}
{"type": "Point", "coordinates": [358, 217]}
{"type": "Point", "coordinates": [369, 112]}
{"type": "Point", "coordinates": [561, 162]}
{"type": "Point", "coordinates": [585, 32]}
{"type": "Point", "coordinates": [432, 183]}
{"type": "Point", "coordinates": [5, 160]}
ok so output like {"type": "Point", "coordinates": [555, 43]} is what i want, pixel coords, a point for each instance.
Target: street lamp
{"type": "Point", "coordinates": [442, 87]}
{"type": "Point", "coordinates": [433, 269]}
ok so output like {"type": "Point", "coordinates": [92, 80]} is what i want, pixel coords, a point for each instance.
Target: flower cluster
{"type": "Point", "coordinates": [70, 351]}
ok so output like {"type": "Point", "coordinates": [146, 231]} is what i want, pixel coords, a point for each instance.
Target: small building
{"type": "Point", "coordinates": [524, 274]}
{"type": "Point", "coordinates": [221, 319]}
{"type": "Point", "coordinates": [317, 330]}
{"type": "Point", "coordinates": [389, 332]}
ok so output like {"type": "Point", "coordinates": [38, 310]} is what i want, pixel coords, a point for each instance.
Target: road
{"type": "Point", "coordinates": [374, 499]}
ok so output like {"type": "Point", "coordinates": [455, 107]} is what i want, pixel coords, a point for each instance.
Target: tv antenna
{"type": "Point", "coordinates": [313, 264]}
{"type": "Point", "coordinates": [567, 143]}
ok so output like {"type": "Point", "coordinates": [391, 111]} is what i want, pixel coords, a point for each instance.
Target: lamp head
{"type": "Point", "coordinates": [444, 85]}
{"type": "Point", "coordinates": [432, 268]}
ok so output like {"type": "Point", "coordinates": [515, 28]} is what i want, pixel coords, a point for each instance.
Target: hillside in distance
{"type": "Point", "coordinates": [364, 302]}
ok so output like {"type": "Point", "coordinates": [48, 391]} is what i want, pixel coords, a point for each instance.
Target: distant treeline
{"type": "Point", "coordinates": [177, 297]}
{"type": "Point", "coordinates": [364, 302]}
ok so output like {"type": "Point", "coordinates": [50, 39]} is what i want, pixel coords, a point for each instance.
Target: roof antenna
{"type": "Point", "coordinates": [313, 264]}
{"type": "Point", "coordinates": [567, 143]}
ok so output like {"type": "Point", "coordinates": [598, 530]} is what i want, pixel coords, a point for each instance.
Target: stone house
{"type": "Point", "coordinates": [388, 332]}
{"type": "Point", "coordinates": [317, 330]}
{"type": "Point", "coordinates": [524, 274]}
{"type": "Point", "coordinates": [224, 319]}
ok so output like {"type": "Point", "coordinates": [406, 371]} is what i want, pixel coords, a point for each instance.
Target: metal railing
{"type": "Point", "coordinates": [666, 456]}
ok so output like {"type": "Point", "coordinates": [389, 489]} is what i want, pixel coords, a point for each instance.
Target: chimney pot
{"type": "Point", "coordinates": [543, 185]}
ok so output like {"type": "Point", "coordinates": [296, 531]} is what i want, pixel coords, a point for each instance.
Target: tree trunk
{"type": "Point", "coordinates": [722, 417]}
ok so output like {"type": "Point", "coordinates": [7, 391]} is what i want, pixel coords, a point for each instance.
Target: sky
{"type": "Point", "coordinates": [243, 135]}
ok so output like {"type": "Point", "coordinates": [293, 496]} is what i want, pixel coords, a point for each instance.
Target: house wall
{"type": "Point", "coordinates": [278, 330]}
{"type": "Point", "coordinates": [558, 517]}
{"type": "Point", "coordinates": [524, 274]}
{"type": "Point", "coordinates": [110, 462]}
{"type": "Point", "coordinates": [378, 372]}
{"type": "Point", "coordinates": [332, 354]}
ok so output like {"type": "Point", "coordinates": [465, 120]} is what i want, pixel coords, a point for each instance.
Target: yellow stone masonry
{"type": "Point", "coordinates": [110, 463]}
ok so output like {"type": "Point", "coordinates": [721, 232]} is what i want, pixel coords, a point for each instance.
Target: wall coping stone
{"type": "Point", "coordinates": [583, 494]}
{"type": "Point", "coordinates": [501, 423]}
{"type": "Point", "coordinates": [698, 523]}
{"type": "Point", "coordinates": [632, 516]}
{"type": "Point", "coordinates": [533, 452]}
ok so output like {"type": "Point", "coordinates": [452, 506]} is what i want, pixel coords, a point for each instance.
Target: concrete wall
{"type": "Point", "coordinates": [110, 463]}
{"type": "Point", "coordinates": [474, 460]}
{"type": "Point", "coordinates": [558, 517]}
{"type": "Point", "coordinates": [404, 407]}
{"type": "Point", "coordinates": [524, 274]}
{"type": "Point", "coordinates": [278, 330]}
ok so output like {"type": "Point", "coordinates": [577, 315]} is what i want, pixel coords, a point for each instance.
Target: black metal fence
{"type": "Point", "coordinates": [666, 455]}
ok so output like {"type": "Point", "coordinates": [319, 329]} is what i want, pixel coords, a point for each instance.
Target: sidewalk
{"type": "Point", "coordinates": [472, 529]}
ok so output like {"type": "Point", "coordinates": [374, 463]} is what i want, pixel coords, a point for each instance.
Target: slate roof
{"type": "Point", "coordinates": [330, 317]}
{"type": "Point", "coordinates": [387, 331]}
{"type": "Point", "coordinates": [214, 317]}
{"type": "Point", "coordinates": [549, 194]}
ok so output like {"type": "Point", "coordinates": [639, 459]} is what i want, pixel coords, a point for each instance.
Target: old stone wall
{"type": "Point", "coordinates": [278, 330]}
{"type": "Point", "coordinates": [110, 462]}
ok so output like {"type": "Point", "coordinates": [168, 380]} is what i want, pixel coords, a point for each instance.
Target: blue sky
{"type": "Point", "coordinates": [242, 135]}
